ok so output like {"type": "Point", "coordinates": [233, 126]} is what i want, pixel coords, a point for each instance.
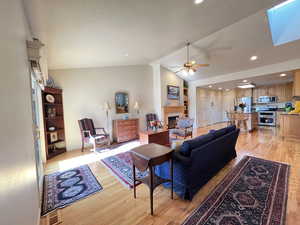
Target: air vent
{"type": "Point", "coordinates": [54, 218]}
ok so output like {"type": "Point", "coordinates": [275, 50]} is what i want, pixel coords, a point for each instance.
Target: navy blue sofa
{"type": "Point", "coordinates": [199, 159]}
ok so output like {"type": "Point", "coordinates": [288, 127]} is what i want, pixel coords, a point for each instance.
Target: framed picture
{"type": "Point", "coordinates": [53, 137]}
{"type": "Point", "coordinates": [173, 92]}
{"type": "Point", "coordinates": [122, 102]}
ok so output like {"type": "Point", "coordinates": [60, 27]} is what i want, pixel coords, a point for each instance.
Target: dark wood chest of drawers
{"type": "Point", "coordinates": [125, 130]}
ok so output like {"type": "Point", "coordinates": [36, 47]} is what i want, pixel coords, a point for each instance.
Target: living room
{"type": "Point", "coordinates": [133, 112]}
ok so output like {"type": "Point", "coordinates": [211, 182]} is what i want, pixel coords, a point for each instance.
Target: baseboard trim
{"type": "Point", "coordinates": [212, 124]}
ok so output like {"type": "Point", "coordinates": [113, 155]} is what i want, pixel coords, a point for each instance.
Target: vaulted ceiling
{"type": "Point", "coordinates": [98, 33]}
{"type": "Point", "coordinates": [230, 49]}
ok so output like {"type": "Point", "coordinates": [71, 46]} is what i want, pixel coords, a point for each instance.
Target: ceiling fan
{"type": "Point", "coordinates": [190, 67]}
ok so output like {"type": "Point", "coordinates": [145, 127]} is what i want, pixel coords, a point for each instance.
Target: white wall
{"type": "Point", "coordinates": [170, 78]}
{"type": "Point", "coordinates": [86, 90]}
{"type": "Point", "coordinates": [19, 202]}
{"type": "Point", "coordinates": [157, 98]}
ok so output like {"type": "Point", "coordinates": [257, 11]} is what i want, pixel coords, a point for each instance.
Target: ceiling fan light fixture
{"type": "Point", "coordinates": [185, 73]}
{"type": "Point", "coordinates": [191, 71]}
{"type": "Point", "coordinates": [190, 67]}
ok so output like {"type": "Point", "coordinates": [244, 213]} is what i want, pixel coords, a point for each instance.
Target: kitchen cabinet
{"type": "Point", "coordinates": [289, 126]}
{"type": "Point", "coordinates": [278, 119]}
{"type": "Point", "coordinates": [288, 92]}
{"type": "Point", "coordinates": [296, 89]}
{"type": "Point", "coordinates": [284, 92]}
{"type": "Point", "coordinates": [240, 93]}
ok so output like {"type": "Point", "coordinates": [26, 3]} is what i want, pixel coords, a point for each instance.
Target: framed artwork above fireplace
{"type": "Point", "coordinates": [173, 92]}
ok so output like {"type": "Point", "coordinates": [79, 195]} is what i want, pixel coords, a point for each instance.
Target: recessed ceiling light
{"type": "Point", "coordinates": [220, 88]}
{"type": "Point", "coordinates": [253, 58]}
{"type": "Point", "coordinates": [245, 81]}
{"type": "Point", "coordinates": [283, 74]}
{"type": "Point", "coordinates": [126, 54]}
{"type": "Point", "coordinates": [210, 86]}
{"type": "Point", "coordinates": [198, 1]}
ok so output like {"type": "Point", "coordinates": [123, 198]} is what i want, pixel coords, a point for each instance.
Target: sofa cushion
{"type": "Point", "coordinates": [189, 145]}
{"type": "Point", "coordinates": [218, 133]}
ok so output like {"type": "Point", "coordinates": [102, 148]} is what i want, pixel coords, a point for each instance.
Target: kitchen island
{"type": "Point", "coordinates": [251, 119]}
{"type": "Point", "coordinates": [289, 126]}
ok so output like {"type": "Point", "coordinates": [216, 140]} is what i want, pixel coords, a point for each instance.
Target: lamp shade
{"type": "Point", "coordinates": [136, 106]}
{"type": "Point", "coordinates": [106, 106]}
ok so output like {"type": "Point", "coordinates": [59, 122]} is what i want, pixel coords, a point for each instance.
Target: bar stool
{"type": "Point", "coordinates": [230, 117]}
{"type": "Point", "coordinates": [242, 119]}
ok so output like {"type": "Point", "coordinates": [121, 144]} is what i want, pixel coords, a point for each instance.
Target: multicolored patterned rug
{"type": "Point", "coordinates": [121, 166]}
{"type": "Point", "coordinates": [253, 193]}
{"type": "Point", "coordinates": [64, 188]}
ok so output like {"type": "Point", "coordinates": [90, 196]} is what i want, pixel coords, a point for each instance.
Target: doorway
{"type": "Point", "coordinates": [36, 104]}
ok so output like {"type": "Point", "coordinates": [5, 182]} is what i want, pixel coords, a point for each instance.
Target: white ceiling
{"type": "Point", "coordinates": [98, 33]}
{"type": "Point", "coordinates": [270, 79]}
{"type": "Point", "coordinates": [229, 50]}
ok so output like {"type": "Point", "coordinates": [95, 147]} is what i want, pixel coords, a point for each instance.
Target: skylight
{"type": "Point", "coordinates": [284, 22]}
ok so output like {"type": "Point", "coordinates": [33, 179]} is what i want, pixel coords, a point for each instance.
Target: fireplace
{"type": "Point", "coordinates": [171, 113]}
{"type": "Point", "coordinates": [172, 121]}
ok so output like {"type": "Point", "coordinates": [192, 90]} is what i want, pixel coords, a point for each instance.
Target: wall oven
{"type": "Point", "coordinates": [267, 118]}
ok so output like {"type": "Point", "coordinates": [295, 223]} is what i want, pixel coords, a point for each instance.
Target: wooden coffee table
{"type": "Point", "coordinates": [146, 157]}
{"type": "Point", "coordinates": [160, 137]}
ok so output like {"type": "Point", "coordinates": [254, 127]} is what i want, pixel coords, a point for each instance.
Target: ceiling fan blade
{"type": "Point", "coordinates": [179, 70]}
{"type": "Point", "coordinates": [175, 66]}
{"type": "Point", "coordinates": [202, 65]}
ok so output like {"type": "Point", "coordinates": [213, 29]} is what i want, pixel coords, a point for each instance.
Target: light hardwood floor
{"type": "Point", "coordinates": [115, 204]}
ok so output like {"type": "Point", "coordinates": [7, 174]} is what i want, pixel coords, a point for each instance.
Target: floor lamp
{"type": "Point", "coordinates": [107, 108]}
{"type": "Point", "coordinates": [137, 108]}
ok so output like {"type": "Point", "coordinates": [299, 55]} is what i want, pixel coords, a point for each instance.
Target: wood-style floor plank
{"type": "Point", "coordinates": [115, 204]}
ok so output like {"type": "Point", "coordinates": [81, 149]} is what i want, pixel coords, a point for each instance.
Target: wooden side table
{"type": "Point", "coordinates": [159, 137]}
{"type": "Point", "coordinates": [148, 156]}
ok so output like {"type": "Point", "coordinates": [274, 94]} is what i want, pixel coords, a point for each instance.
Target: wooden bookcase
{"type": "Point", "coordinates": [54, 117]}
{"type": "Point", "coordinates": [186, 99]}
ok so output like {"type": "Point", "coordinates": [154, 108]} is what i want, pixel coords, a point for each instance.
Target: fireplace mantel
{"type": "Point", "coordinates": [171, 110]}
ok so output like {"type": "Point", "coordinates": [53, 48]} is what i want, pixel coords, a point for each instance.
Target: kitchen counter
{"type": "Point", "coordinates": [285, 113]}
{"type": "Point", "coordinates": [290, 126]}
{"type": "Point", "coordinates": [252, 120]}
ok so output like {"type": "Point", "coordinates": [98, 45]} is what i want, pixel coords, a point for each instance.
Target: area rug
{"type": "Point", "coordinates": [121, 167]}
{"type": "Point", "coordinates": [64, 188]}
{"type": "Point", "coordinates": [253, 193]}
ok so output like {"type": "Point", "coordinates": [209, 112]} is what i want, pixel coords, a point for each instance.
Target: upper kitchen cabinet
{"type": "Point", "coordinates": [241, 93]}
{"type": "Point", "coordinates": [288, 92]}
{"type": "Point", "coordinates": [284, 92]}
{"type": "Point", "coordinates": [296, 89]}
